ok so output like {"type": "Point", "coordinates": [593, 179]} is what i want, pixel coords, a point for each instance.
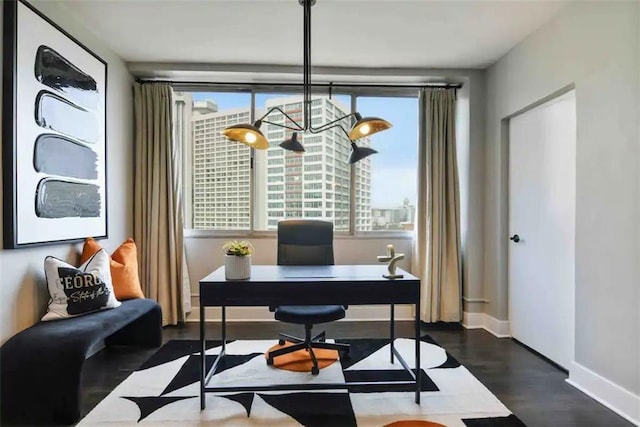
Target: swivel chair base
{"type": "Point", "coordinates": [308, 344]}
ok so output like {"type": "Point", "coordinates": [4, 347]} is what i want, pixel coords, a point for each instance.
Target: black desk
{"type": "Point", "coordinates": [273, 285]}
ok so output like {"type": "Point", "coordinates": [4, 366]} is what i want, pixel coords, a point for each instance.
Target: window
{"type": "Point", "coordinates": [228, 186]}
{"type": "Point", "coordinates": [388, 182]}
{"type": "Point", "coordinates": [314, 149]}
{"type": "Point", "coordinates": [315, 158]}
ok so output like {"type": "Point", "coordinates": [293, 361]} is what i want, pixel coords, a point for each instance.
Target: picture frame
{"type": "Point", "coordinates": [54, 133]}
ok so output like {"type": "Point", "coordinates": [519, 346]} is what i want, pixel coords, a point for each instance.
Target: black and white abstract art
{"type": "Point", "coordinates": [54, 133]}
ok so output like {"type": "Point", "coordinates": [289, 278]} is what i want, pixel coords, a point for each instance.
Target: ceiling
{"type": "Point", "coordinates": [345, 33]}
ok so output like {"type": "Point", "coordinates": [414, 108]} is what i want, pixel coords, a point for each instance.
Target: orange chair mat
{"type": "Point", "coordinates": [299, 361]}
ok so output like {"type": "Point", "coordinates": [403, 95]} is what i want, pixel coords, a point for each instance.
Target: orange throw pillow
{"type": "Point", "coordinates": [123, 266]}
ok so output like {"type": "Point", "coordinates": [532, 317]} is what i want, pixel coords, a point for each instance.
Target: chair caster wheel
{"type": "Point", "coordinates": [281, 342]}
{"type": "Point", "coordinates": [270, 361]}
{"type": "Point", "coordinates": [315, 371]}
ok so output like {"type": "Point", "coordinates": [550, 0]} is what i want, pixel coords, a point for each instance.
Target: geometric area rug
{"type": "Point", "coordinates": [164, 391]}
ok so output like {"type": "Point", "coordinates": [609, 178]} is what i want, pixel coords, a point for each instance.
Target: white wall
{"type": "Point", "coordinates": [23, 294]}
{"type": "Point", "coordinates": [596, 46]}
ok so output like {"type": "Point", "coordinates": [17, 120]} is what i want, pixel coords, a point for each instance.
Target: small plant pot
{"type": "Point", "coordinates": [237, 267]}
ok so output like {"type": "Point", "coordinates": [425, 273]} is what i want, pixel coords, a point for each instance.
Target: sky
{"type": "Point", "coordinates": [394, 167]}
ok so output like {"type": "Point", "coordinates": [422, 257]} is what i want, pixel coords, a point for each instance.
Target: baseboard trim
{"type": "Point", "coordinates": [618, 399]}
{"type": "Point", "coordinates": [498, 328]}
{"type": "Point", "coordinates": [473, 320]}
{"type": "Point", "coordinates": [355, 313]}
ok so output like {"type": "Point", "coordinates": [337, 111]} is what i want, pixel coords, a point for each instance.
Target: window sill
{"type": "Point", "coordinates": [235, 235]}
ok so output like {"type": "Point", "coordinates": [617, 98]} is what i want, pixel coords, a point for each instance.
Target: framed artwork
{"type": "Point", "coordinates": [54, 133]}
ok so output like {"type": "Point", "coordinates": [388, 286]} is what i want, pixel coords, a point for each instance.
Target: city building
{"type": "Point", "coordinates": [398, 218]}
{"type": "Point", "coordinates": [314, 184]}
{"type": "Point", "coordinates": [219, 171]}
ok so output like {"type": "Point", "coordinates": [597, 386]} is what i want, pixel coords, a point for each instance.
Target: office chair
{"type": "Point", "coordinates": [306, 242]}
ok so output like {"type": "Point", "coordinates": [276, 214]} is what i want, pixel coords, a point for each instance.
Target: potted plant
{"type": "Point", "coordinates": [237, 259]}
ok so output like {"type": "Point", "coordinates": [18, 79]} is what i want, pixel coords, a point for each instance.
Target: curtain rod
{"type": "Point", "coordinates": [443, 85]}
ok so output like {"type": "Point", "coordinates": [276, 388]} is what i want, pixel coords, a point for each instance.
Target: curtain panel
{"type": "Point", "coordinates": [437, 251]}
{"type": "Point", "coordinates": [158, 219]}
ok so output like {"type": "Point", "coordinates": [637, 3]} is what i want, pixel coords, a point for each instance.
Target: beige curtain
{"type": "Point", "coordinates": [437, 254]}
{"type": "Point", "coordinates": [158, 221]}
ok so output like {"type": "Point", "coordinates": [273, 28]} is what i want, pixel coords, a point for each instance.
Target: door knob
{"type": "Point", "coordinates": [515, 238]}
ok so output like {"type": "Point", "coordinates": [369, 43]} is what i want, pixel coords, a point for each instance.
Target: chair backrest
{"type": "Point", "coordinates": [305, 242]}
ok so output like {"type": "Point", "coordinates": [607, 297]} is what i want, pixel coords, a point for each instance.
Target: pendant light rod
{"type": "Point", "coordinates": [306, 69]}
{"type": "Point", "coordinates": [306, 83]}
{"type": "Point", "coordinates": [278, 109]}
{"type": "Point", "coordinates": [251, 135]}
{"type": "Point", "coordinates": [306, 55]}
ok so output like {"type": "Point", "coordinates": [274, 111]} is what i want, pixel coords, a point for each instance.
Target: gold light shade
{"type": "Point", "coordinates": [247, 134]}
{"type": "Point", "coordinates": [365, 126]}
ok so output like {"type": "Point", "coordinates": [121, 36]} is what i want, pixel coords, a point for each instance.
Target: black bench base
{"type": "Point", "coordinates": [41, 366]}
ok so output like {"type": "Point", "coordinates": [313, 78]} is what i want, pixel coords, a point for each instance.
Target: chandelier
{"type": "Point", "coordinates": [251, 135]}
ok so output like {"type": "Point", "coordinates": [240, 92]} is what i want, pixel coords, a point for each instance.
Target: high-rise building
{"type": "Point", "coordinates": [310, 185]}
{"type": "Point", "coordinates": [221, 170]}
{"type": "Point", "coordinates": [315, 184]}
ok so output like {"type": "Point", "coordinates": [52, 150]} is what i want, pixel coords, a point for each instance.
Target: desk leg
{"type": "Point", "coordinates": [224, 329]}
{"type": "Point", "coordinates": [202, 358]}
{"type": "Point", "coordinates": [392, 332]}
{"type": "Point", "coordinates": [418, 371]}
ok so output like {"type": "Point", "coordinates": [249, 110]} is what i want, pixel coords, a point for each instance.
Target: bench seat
{"type": "Point", "coordinates": [41, 366]}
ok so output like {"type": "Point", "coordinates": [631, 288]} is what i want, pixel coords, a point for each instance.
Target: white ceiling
{"type": "Point", "coordinates": [345, 33]}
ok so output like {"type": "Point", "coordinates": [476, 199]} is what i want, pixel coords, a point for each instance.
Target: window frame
{"type": "Point", "coordinates": [353, 91]}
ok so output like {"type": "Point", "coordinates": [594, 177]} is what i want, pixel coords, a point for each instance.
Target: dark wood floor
{"type": "Point", "coordinates": [529, 386]}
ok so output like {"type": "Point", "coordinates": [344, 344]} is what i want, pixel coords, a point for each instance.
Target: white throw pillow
{"type": "Point", "coordinates": [79, 290]}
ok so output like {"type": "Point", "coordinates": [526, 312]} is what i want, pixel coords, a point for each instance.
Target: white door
{"type": "Point", "coordinates": [542, 171]}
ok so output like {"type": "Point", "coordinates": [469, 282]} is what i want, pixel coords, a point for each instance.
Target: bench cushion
{"type": "Point", "coordinates": [40, 367]}
{"type": "Point", "coordinates": [85, 330]}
